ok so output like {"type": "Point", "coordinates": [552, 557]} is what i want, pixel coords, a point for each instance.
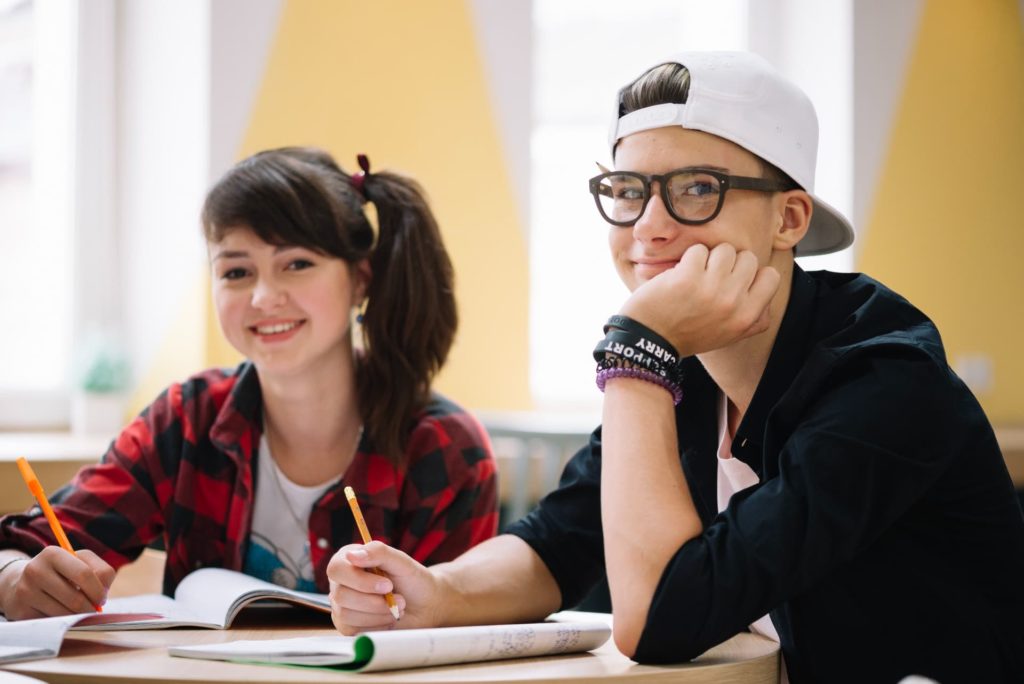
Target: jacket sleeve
{"type": "Point", "coordinates": [451, 497]}
{"type": "Point", "coordinates": [111, 508]}
{"type": "Point", "coordinates": [864, 451]}
{"type": "Point", "coordinates": [565, 528]}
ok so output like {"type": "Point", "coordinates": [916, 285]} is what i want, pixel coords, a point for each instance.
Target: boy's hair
{"type": "Point", "coordinates": [299, 196]}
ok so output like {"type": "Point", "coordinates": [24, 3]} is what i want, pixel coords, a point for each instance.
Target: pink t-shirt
{"type": "Point", "coordinates": [734, 475]}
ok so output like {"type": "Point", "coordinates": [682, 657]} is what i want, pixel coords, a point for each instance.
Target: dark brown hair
{"type": "Point", "coordinates": [298, 196]}
{"type": "Point", "coordinates": [670, 84]}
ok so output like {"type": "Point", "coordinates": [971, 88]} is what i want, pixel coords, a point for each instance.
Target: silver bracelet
{"type": "Point", "coordinates": [11, 562]}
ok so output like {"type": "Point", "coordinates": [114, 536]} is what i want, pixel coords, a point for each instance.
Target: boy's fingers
{"type": "Point", "coordinates": [350, 599]}
{"type": "Point", "coordinates": [349, 622]}
{"type": "Point", "coordinates": [350, 568]}
{"type": "Point", "coordinates": [390, 561]}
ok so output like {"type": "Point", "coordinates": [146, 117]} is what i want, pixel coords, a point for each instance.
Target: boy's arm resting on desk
{"type": "Point", "coordinates": [498, 581]}
{"type": "Point", "coordinates": [648, 513]}
{"type": "Point", "coordinates": [844, 480]}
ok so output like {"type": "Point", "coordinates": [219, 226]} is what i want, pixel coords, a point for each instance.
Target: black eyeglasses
{"type": "Point", "coordinates": [692, 196]}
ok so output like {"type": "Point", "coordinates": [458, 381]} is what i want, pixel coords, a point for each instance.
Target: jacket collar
{"type": "Point", "coordinates": [787, 357]}
{"type": "Point", "coordinates": [697, 413]}
{"type": "Point", "coordinates": [239, 422]}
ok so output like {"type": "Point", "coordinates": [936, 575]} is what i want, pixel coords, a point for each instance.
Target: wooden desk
{"type": "Point", "coordinates": [141, 656]}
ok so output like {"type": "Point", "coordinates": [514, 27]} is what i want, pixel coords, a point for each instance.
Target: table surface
{"type": "Point", "coordinates": [141, 656]}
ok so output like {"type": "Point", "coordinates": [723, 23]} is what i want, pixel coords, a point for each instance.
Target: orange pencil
{"type": "Point", "coordinates": [361, 524]}
{"type": "Point", "coordinates": [37, 491]}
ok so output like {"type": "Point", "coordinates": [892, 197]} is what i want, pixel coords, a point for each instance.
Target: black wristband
{"type": "Point", "coordinates": [635, 349]}
{"type": "Point", "coordinates": [671, 373]}
{"type": "Point", "coordinates": [629, 325]}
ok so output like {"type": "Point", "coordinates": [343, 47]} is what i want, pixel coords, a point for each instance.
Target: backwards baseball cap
{"type": "Point", "coordinates": [740, 97]}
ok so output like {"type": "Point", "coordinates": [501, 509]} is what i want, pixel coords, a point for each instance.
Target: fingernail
{"type": "Point", "coordinates": [358, 554]}
{"type": "Point", "coordinates": [383, 587]}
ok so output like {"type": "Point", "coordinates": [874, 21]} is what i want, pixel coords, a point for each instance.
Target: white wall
{"type": "Point", "coordinates": [162, 166]}
{"type": "Point", "coordinates": [884, 34]}
{"type": "Point", "coordinates": [811, 41]}
{"type": "Point", "coordinates": [188, 72]}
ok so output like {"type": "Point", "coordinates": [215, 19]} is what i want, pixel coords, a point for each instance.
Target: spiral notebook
{"type": "Point", "coordinates": [399, 649]}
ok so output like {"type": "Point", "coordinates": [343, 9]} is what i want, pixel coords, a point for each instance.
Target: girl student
{"type": "Point", "coordinates": [245, 468]}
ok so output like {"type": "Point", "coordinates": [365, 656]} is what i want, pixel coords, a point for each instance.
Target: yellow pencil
{"type": "Point", "coordinates": [37, 491]}
{"type": "Point", "coordinates": [365, 533]}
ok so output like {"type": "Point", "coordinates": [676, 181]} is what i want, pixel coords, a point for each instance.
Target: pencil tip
{"type": "Point", "coordinates": [394, 611]}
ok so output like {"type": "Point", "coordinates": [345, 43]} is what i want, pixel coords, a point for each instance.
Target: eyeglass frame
{"type": "Point", "coordinates": [726, 183]}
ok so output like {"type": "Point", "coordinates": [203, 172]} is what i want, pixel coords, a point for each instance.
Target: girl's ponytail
{"type": "Point", "coordinates": [410, 318]}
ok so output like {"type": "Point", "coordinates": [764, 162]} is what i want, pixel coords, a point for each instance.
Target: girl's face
{"type": "Point", "coordinates": [656, 242]}
{"type": "Point", "coordinates": [287, 309]}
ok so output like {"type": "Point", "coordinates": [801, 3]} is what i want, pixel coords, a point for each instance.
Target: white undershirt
{"type": "Point", "coordinates": [734, 475]}
{"type": "Point", "coordinates": [279, 544]}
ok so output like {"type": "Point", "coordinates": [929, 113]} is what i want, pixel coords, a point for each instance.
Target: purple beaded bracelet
{"type": "Point", "coordinates": [606, 374]}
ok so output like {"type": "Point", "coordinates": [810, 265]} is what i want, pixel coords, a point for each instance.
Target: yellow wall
{"type": "Point", "coordinates": [947, 226]}
{"type": "Point", "coordinates": [405, 85]}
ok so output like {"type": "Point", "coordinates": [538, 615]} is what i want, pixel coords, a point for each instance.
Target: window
{"type": "Point", "coordinates": [36, 138]}
{"type": "Point", "coordinates": [56, 156]}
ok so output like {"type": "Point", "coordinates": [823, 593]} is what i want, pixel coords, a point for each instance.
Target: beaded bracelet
{"type": "Point", "coordinates": [607, 353]}
{"type": "Point", "coordinates": [603, 376]}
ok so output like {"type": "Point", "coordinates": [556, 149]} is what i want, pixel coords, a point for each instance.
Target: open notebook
{"type": "Point", "coordinates": [411, 648]}
{"type": "Point", "coordinates": [41, 638]}
{"type": "Point", "coordinates": [208, 597]}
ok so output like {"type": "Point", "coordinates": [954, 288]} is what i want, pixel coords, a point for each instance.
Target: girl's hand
{"type": "Point", "coordinates": [55, 582]}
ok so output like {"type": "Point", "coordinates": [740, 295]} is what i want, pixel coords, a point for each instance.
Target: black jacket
{"type": "Point", "coordinates": [884, 538]}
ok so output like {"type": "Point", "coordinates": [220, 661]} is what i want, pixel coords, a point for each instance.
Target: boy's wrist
{"type": "Point", "coordinates": [446, 597]}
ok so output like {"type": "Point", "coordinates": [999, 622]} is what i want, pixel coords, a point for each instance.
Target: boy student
{"type": "Point", "coordinates": [811, 469]}
{"type": "Point", "coordinates": [245, 468]}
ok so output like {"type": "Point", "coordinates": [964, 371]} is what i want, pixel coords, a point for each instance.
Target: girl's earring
{"type": "Point", "coordinates": [359, 313]}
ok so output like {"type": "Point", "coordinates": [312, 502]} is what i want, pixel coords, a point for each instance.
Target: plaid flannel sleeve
{"type": "Point", "coordinates": [451, 492]}
{"type": "Point", "coordinates": [112, 508]}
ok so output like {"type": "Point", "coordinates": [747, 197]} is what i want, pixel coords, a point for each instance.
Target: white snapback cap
{"type": "Point", "coordinates": [739, 96]}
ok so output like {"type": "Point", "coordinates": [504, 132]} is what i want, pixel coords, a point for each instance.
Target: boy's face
{"type": "Point", "coordinates": [656, 241]}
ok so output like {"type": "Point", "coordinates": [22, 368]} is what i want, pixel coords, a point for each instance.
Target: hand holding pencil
{"type": "Point", "coordinates": [372, 581]}
{"type": "Point", "coordinates": [57, 581]}
{"type": "Point", "coordinates": [357, 513]}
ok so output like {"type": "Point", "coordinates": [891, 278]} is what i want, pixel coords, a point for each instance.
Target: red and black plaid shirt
{"type": "Point", "coordinates": [184, 470]}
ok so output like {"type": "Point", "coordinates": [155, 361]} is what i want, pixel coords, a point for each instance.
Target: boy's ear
{"type": "Point", "coordinates": [795, 209]}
